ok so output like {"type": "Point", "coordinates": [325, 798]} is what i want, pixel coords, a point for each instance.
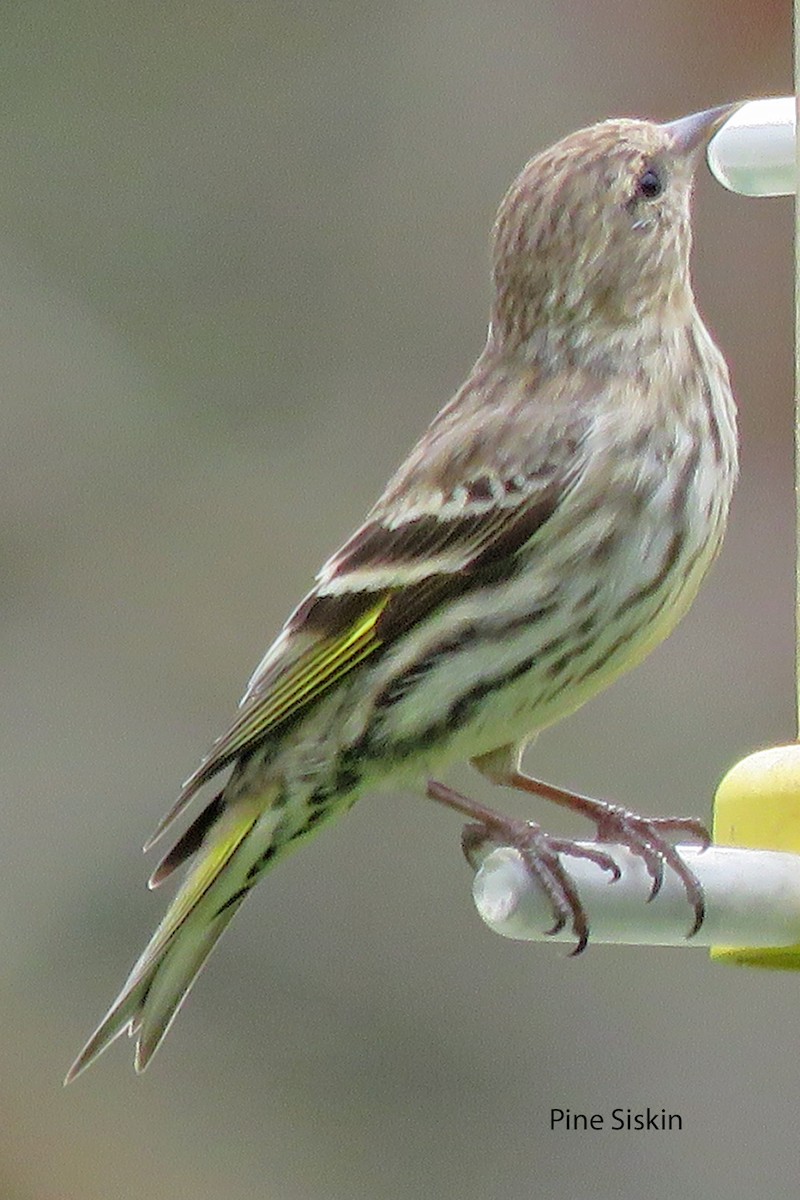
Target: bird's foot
{"type": "Point", "coordinates": [649, 839]}
{"type": "Point", "coordinates": [646, 837]}
{"type": "Point", "coordinates": [540, 852]}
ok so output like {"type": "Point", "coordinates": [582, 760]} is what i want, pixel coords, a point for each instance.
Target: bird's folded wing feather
{"type": "Point", "coordinates": [469, 497]}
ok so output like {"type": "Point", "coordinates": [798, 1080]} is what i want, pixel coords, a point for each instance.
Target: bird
{"type": "Point", "coordinates": [547, 531]}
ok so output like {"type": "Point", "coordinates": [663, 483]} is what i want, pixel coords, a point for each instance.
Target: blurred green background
{"type": "Point", "coordinates": [243, 260]}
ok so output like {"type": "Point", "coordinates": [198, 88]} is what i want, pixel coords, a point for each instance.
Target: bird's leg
{"type": "Point", "coordinates": [539, 851]}
{"type": "Point", "coordinates": [647, 837]}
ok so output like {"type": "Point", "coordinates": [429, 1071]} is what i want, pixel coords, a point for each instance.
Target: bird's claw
{"type": "Point", "coordinates": [541, 854]}
{"type": "Point", "coordinates": [648, 839]}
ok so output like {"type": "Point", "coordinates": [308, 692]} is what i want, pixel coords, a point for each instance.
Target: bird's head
{"type": "Point", "coordinates": [594, 234]}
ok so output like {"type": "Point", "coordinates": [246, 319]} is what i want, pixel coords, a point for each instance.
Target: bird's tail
{"type": "Point", "coordinates": [234, 843]}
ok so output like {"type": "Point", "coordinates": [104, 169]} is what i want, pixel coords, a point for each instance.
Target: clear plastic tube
{"type": "Point", "coordinates": [754, 152]}
{"type": "Point", "coordinates": [752, 899]}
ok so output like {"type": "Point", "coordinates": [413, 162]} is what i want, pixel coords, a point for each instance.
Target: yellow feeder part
{"type": "Point", "coordinates": [757, 805]}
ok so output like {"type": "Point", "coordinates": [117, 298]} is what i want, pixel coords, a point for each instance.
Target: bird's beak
{"type": "Point", "coordinates": [689, 134]}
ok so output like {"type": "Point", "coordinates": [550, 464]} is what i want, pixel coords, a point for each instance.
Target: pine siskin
{"type": "Point", "coordinates": [549, 529]}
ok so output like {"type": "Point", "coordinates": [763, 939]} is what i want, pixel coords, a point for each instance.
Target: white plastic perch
{"type": "Point", "coordinates": [752, 899]}
{"type": "Point", "coordinates": [754, 151]}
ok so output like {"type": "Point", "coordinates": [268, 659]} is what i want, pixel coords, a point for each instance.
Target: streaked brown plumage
{"type": "Point", "coordinates": [547, 531]}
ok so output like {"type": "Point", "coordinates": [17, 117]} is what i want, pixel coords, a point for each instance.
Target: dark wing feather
{"type": "Point", "coordinates": [420, 546]}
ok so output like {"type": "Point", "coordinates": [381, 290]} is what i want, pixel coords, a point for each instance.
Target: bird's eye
{"type": "Point", "coordinates": [649, 184]}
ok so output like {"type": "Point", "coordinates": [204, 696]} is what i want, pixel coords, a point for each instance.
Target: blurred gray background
{"type": "Point", "coordinates": [243, 260]}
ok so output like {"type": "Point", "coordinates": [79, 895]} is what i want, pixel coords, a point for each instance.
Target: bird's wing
{"type": "Point", "coordinates": [471, 495]}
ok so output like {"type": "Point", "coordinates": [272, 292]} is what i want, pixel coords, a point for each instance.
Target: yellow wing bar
{"type": "Point", "coordinates": [317, 669]}
{"type": "Point", "coordinates": [320, 667]}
